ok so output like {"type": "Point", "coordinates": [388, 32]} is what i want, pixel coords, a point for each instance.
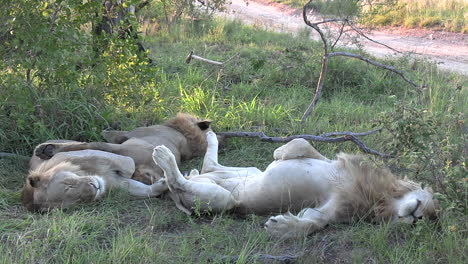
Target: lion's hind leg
{"type": "Point", "coordinates": [204, 195]}
{"type": "Point", "coordinates": [297, 149]}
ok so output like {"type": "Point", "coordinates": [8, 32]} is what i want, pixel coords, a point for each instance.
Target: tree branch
{"type": "Point", "coordinates": [326, 138]}
{"type": "Point", "coordinates": [351, 133]}
{"type": "Point", "coordinates": [359, 31]}
{"type": "Point", "coordinates": [263, 258]}
{"type": "Point", "coordinates": [323, 71]}
{"type": "Point", "coordinates": [383, 66]}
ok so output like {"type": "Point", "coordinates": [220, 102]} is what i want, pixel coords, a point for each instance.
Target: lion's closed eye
{"type": "Point", "coordinates": [68, 186]}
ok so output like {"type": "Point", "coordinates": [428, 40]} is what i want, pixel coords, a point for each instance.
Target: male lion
{"type": "Point", "coordinates": [66, 172]}
{"type": "Point", "coordinates": [331, 191]}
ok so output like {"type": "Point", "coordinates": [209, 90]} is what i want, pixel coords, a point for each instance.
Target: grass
{"type": "Point", "coordinates": [448, 15]}
{"type": "Point", "coordinates": [265, 86]}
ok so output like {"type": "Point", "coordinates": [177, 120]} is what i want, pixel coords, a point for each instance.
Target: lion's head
{"type": "Point", "coordinates": [60, 187]}
{"type": "Point", "coordinates": [415, 205]}
{"type": "Point", "coordinates": [376, 194]}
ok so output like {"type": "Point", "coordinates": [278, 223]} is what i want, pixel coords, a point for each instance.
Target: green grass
{"type": "Point", "coordinates": [265, 86]}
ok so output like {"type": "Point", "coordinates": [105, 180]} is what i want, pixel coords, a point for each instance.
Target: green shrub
{"type": "Point", "coordinates": [433, 155]}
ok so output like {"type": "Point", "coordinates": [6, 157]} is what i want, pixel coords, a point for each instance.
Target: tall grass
{"type": "Point", "coordinates": [448, 15]}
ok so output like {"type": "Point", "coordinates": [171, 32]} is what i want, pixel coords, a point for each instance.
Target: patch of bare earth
{"type": "Point", "coordinates": [448, 50]}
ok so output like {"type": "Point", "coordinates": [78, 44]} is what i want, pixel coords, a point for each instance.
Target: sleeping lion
{"type": "Point", "coordinates": [300, 180]}
{"type": "Point", "coordinates": [63, 173]}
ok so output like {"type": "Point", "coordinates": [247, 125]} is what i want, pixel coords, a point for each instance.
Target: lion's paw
{"type": "Point", "coordinates": [45, 151]}
{"type": "Point", "coordinates": [211, 137]}
{"type": "Point", "coordinates": [193, 172]}
{"type": "Point", "coordinates": [288, 226]}
{"type": "Point", "coordinates": [163, 157]}
{"type": "Point", "coordinates": [159, 187]}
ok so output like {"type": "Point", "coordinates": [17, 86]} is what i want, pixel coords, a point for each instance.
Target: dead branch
{"type": "Point", "coordinates": [263, 258]}
{"type": "Point", "coordinates": [13, 155]}
{"type": "Point", "coordinates": [191, 57]}
{"type": "Point", "coordinates": [383, 66]}
{"type": "Point", "coordinates": [326, 138]}
{"type": "Point", "coordinates": [327, 56]}
{"type": "Point", "coordinates": [359, 31]}
{"type": "Point", "coordinates": [339, 34]}
{"type": "Point", "coordinates": [331, 134]}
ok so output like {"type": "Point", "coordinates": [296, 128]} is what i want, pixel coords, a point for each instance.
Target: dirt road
{"type": "Point", "coordinates": [448, 50]}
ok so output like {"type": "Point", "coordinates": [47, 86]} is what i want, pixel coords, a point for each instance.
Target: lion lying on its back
{"type": "Point", "coordinates": [64, 173]}
{"type": "Point", "coordinates": [300, 179]}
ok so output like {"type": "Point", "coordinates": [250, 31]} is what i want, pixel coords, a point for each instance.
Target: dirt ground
{"type": "Point", "coordinates": [448, 50]}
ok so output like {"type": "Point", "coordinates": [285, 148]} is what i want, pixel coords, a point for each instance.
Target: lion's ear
{"type": "Point", "coordinates": [34, 181]}
{"type": "Point", "coordinates": [204, 125]}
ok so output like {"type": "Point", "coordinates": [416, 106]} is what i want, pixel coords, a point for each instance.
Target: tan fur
{"type": "Point", "coordinates": [186, 124]}
{"type": "Point", "coordinates": [184, 135]}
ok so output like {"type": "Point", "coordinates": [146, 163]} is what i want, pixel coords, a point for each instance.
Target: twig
{"type": "Point", "coordinates": [191, 57]}
{"type": "Point", "coordinates": [359, 31]}
{"type": "Point", "coordinates": [350, 136]}
{"type": "Point", "coordinates": [383, 66]}
{"type": "Point", "coordinates": [339, 35]}
{"type": "Point", "coordinates": [12, 155]}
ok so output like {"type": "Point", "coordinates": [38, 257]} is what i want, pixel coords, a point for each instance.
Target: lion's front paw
{"type": "Point", "coordinates": [159, 186]}
{"type": "Point", "coordinates": [289, 226]}
{"type": "Point", "coordinates": [45, 151]}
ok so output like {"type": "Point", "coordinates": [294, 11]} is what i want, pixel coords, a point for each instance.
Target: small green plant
{"type": "Point", "coordinates": [433, 156]}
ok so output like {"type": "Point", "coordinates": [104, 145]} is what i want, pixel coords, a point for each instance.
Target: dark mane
{"type": "Point", "coordinates": [188, 126]}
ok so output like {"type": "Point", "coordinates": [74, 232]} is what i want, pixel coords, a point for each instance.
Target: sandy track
{"type": "Point", "coordinates": [448, 50]}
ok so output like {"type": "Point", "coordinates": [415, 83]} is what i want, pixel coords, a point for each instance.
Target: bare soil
{"type": "Point", "coordinates": [448, 50]}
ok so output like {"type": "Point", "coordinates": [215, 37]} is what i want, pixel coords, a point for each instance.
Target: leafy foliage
{"type": "Point", "coordinates": [52, 70]}
{"type": "Point", "coordinates": [439, 158]}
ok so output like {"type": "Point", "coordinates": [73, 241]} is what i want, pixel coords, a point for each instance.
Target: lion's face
{"type": "Point", "coordinates": [414, 206]}
{"type": "Point", "coordinates": [60, 190]}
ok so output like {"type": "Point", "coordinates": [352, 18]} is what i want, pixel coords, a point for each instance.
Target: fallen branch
{"type": "Point", "coordinates": [12, 155]}
{"type": "Point", "coordinates": [262, 258]}
{"type": "Point", "coordinates": [191, 57]}
{"type": "Point", "coordinates": [326, 138]}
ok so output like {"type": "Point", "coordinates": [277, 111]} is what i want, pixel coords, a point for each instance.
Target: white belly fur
{"type": "Point", "coordinates": [281, 188]}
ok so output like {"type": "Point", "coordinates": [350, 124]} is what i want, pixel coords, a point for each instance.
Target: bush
{"type": "Point", "coordinates": [58, 74]}
{"type": "Point", "coordinates": [433, 156]}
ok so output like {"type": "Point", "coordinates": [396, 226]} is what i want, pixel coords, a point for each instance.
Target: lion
{"type": "Point", "coordinates": [301, 180]}
{"type": "Point", "coordinates": [63, 173]}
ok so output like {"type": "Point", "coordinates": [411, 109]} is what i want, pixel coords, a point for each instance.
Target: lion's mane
{"type": "Point", "coordinates": [366, 191]}
{"type": "Point", "coordinates": [187, 125]}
